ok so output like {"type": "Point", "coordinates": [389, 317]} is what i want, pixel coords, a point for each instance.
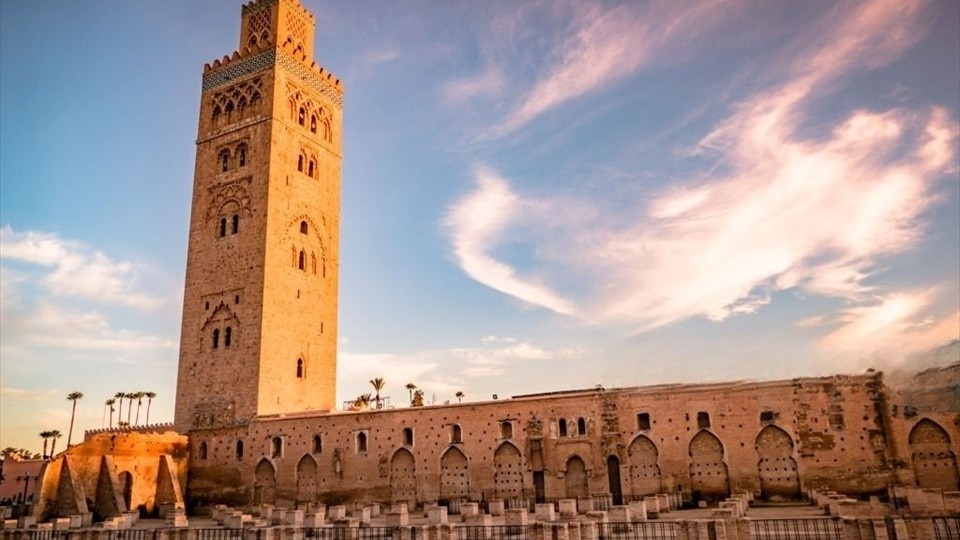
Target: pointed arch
{"type": "Point", "coordinates": [708, 472]}
{"type": "Point", "coordinates": [454, 475]}
{"type": "Point", "coordinates": [934, 463]}
{"type": "Point", "coordinates": [575, 477]}
{"type": "Point", "coordinates": [644, 466]}
{"type": "Point", "coordinates": [779, 478]}
{"type": "Point", "coordinates": [403, 478]}
{"type": "Point", "coordinates": [265, 483]}
{"type": "Point", "coordinates": [508, 471]}
{"type": "Point", "coordinates": [307, 479]}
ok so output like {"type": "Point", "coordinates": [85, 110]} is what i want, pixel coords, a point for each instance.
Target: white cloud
{"type": "Point", "coordinates": [77, 270]}
{"type": "Point", "coordinates": [484, 84]}
{"type": "Point", "coordinates": [476, 223]}
{"type": "Point", "coordinates": [23, 394]}
{"type": "Point", "coordinates": [786, 210]}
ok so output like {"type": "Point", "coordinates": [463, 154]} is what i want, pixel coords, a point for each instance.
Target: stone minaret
{"type": "Point", "coordinates": [259, 330]}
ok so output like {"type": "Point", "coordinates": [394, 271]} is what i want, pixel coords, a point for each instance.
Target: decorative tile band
{"type": "Point", "coordinates": [266, 60]}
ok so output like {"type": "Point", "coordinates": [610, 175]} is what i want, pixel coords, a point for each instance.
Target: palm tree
{"type": "Point", "coordinates": [110, 403]}
{"type": "Point", "coordinates": [362, 401]}
{"type": "Point", "coordinates": [149, 396]}
{"type": "Point", "coordinates": [119, 396]}
{"type": "Point", "coordinates": [46, 437]}
{"type": "Point", "coordinates": [73, 396]}
{"type": "Point", "coordinates": [55, 434]}
{"type": "Point", "coordinates": [417, 400]}
{"type": "Point", "coordinates": [139, 397]}
{"type": "Point", "coordinates": [129, 396]}
{"type": "Point", "coordinates": [378, 384]}
{"type": "Point", "coordinates": [459, 395]}
{"type": "Point", "coordinates": [410, 388]}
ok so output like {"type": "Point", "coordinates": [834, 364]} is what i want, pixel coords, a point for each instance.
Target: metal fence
{"type": "Point", "coordinates": [796, 529]}
{"type": "Point", "coordinates": [643, 530]}
{"type": "Point", "coordinates": [946, 528]}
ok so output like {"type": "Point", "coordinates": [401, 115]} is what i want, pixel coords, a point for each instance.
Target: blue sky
{"type": "Point", "coordinates": [536, 195]}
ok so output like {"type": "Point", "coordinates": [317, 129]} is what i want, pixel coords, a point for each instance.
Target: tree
{"type": "Point", "coordinates": [139, 397]}
{"type": "Point", "coordinates": [110, 403]}
{"type": "Point", "coordinates": [362, 401]}
{"type": "Point", "coordinates": [129, 396]}
{"type": "Point", "coordinates": [19, 453]}
{"type": "Point", "coordinates": [45, 435]}
{"type": "Point", "coordinates": [54, 435]}
{"type": "Point", "coordinates": [119, 396]}
{"type": "Point", "coordinates": [74, 397]}
{"type": "Point", "coordinates": [378, 384]}
{"type": "Point", "coordinates": [150, 396]}
{"type": "Point", "coordinates": [410, 388]}
{"type": "Point", "coordinates": [417, 400]}
{"type": "Point", "coordinates": [459, 395]}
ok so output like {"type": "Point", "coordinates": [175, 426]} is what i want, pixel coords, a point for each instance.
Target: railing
{"type": "Point", "coordinates": [643, 530]}
{"type": "Point", "coordinates": [796, 529]}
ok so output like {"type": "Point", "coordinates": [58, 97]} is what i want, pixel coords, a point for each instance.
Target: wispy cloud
{"type": "Point", "coordinates": [486, 83]}
{"type": "Point", "coordinates": [77, 270]}
{"type": "Point", "coordinates": [785, 207]}
{"type": "Point", "coordinates": [23, 394]}
{"type": "Point", "coordinates": [476, 224]}
{"type": "Point", "coordinates": [604, 45]}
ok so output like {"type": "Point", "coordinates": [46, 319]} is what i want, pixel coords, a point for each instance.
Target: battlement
{"type": "Point", "coordinates": [148, 428]}
{"type": "Point", "coordinates": [257, 5]}
{"type": "Point", "coordinates": [288, 48]}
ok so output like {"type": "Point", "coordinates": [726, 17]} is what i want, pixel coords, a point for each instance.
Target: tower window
{"type": "Point", "coordinates": [276, 447]}
{"type": "Point", "coordinates": [313, 123]}
{"type": "Point", "coordinates": [202, 451]}
{"type": "Point", "coordinates": [302, 260]}
{"type": "Point", "coordinates": [317, 444]}
{"type": "Point", "coordinates": [361, 442]}
{"type": "Point", "coordinates": [581, 426]}
{"type": "Point", "coordinates": [456, 434]}
{"type": "Point", "coordinates": [643, 421]}
{"type": "Point", "coordinates": [299, 163]}
{"type": "Point", "coordinates": [223, 227]}
{"type": "Point", "coordinates": [301, 116]}
{"type": "Point", "coordinates": [562, 424]}
{"type": "Point", "coordinates": [703, 420]}
{"type": "Point", "coordinates": [311, 168]}
{"type": "Point", "coordinates": [236, 224]}
{"type": "Point", "coordinates": [227, 334]}
{"type": "Point", "coordinates": [239, 450]}
{"type": "Point", "coordinates": [408, 436]}
{"type": "Point", "coordinates": [242, 156]}
{"type": "Point", "coordinates": [766, 416]}
{"type": "Point", "coordinates": [216, 338]}
{"type": "Point", "coordinates": [300, 373]}
{"type": "Point", "coordinates": [304, 228]}
{"type": "Point", "coordinates": [506, 430]}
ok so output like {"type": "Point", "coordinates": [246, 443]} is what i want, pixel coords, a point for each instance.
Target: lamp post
{"type": "Point", "coordinates": [26, 484]}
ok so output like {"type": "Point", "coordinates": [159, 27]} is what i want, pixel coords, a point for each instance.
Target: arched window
{"type": "Point", "coordinates": [276, 447]}
{"type": "Point", "coordinates": [241, 105]}
{"type": "Point", "coordinates": [506, 430]}
{"type": "Point", "coordinates": [230, 107]}
{"type": "Point", "coordinates": [242, 156]}
{"type": "Point", "coordinates": [301, 116]}
{"type": "Point", "coordinates": [581, 426]}
{"type": "Point", "coordinates": [264, 36]}
{"type": "Point", "coordinates": [236, 224]}
{"type": "Point", "coordinates": [361, 442]}
{"type": "Point", "coordinates": [562, 424]}
{"type": "Point", "coordinates": [313, 263]}
{"type": "Point", "coordinates": [456, 434]}
{"type": "Point", "coordinates": [408, 436]}
{"type": "Point", "coordinates": [299, 368]}
{"type": "Point", "coordinates": [216, 338]}
{"type": "Point", "coordinates": [300, 164]}
{"type": "Point", "coordinates": [202, 451]}
{"type": "Point", "coordinates": [313, 123]}
{"type": "Point", "coordinates": [223, 227]}
{"type": "Point", "coordinates": [317, 444]}
{"type": "Point", "coordinates": [302, 260]}
{"type": "Point", "coordinates": [227, 335]}
{"type": "Point", "coordinates": [224, 161]}
{"type": "Point", "coordinates": [216, 113]}
{"type": "Point", "coordinates": [304, 228]}
{"type": "Point", "coordinates": [311, 168]}
{"type": "Point", "coordinates": [239, 450]}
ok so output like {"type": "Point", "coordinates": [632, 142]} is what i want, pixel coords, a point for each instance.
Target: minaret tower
{"type": "Point", "coordinates": [259, 330]}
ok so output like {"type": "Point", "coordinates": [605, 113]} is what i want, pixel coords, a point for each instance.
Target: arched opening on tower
{"type": "Point", "coordinates": [708, 472]}
{"type": "Point", "coordinates": [265, 483]}
{"type": "Point", "coordinates": [454, 476]}
{"type": "Point", "coordinates": [575, 478]}
{"type": "Point", "coordinates": [306, 479]}
{"type": "Point", "coordinates": [403, 478]}
{"type": "Point", "coordinates": [643, 457]}
{"type": "Point", "coordinates": [508, 472]}
{"type": "Point", "coordinates": [934, 463]}
{"type": "Point", "coordinates": [779, 478]}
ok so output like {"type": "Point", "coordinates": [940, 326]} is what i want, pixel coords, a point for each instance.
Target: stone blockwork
{"type": "Point", "coordinates": [773, 439]}
{"type": "Point", "coordinates": [260, 301]}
